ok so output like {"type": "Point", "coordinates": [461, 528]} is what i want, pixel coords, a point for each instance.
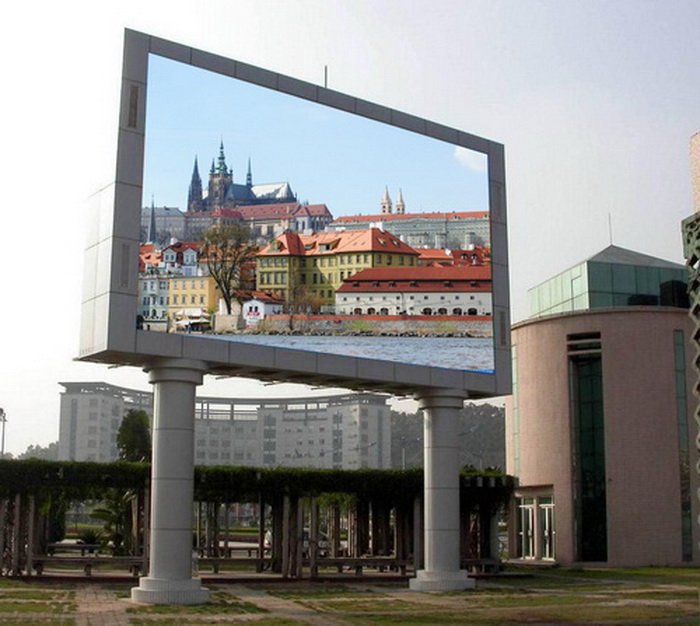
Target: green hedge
{"type": "Point", "coordinates": [84, 481]}
{"type": "Point", "coordinates": [77, 481]}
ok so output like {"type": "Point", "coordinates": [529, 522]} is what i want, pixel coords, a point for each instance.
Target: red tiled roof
{"type": "Point", "coordinates": [262, 211]}
{"type": "Point", "coordinates": [435, 254]}
{"type": "Point", "coordinates": [181, 246]}
{"type": "Point", "coordinates": [276, 211]}
{"type": "Point", "coordinates": [317, 209]}
{"type": "Point", "coordinates": [351, 241]}
{"type": "Point", "coordinates": [479, 255]}
{"type": "Point", "coordinates": [148, 254]}
{"type": "Point", "coordinates": [430, 278]}
{"type": "Point", "coordinates": [287, 244]}
{"type": "Point", "coordinates": [232, 213]}
{"type": "Point", "coordinates": [464, 257]}
{"type": "Point", "coordinates": [388, 217]}
{"type": "Point", "coordinates": [263, 296]}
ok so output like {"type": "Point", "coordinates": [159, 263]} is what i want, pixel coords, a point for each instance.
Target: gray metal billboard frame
{"type": "Point", "coordinates": [108, 329]}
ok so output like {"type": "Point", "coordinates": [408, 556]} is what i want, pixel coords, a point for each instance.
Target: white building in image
{"type": "Point", "coordinates": [260, 305]}
{"type": "Point", "coordinates": [430, 290]}
{"type": "Point", "coordinates": [347, 431]}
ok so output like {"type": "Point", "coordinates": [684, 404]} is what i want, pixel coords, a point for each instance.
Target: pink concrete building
{"type": "Point", "coordinates": [601, 437]}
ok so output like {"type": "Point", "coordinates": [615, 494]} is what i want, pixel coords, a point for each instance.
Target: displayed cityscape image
{"type": "Point", "coordinates": [270, 219]}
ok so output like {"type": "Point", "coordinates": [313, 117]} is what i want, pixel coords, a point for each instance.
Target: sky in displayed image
{"type": "Point", "coordinates": [327, 156]}
{"type": "Point", "coordinates": [595, 103]}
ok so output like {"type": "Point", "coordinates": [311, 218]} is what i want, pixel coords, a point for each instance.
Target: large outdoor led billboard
{"type": "Point", "coordinates": [375, 241]}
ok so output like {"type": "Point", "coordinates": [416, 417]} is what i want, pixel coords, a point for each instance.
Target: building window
{"type": "Point", "coordinates": [586, 384]}
{"type": "Point", "coordinates": [545, 512]}
{"type": "Point", "coordinates": [683, 447]}
{"type": "Point", "coordinates": [526, 528]}
{"type": "Point", "coordinates": [535, 527]}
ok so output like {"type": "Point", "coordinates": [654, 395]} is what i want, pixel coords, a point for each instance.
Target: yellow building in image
{"type": "Point", "coordinates": [317, 264]}
{"type": "Point", "coordinates": [192, 296]}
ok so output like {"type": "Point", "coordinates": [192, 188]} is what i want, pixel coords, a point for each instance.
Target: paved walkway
{"type": "Point", "coordinates": [280, 607]}
{"type": "Point", "coordinates": [663, 598]}
{"type": "Point", "coordinates": [100, 607]}
{"type": "Point", "coordinates": [110, 605]}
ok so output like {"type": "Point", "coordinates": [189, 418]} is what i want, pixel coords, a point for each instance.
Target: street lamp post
{"type": "Point", "coordinates": [3, 419]}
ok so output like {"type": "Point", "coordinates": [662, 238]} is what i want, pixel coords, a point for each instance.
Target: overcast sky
{"type": "Point", "coordinates": [595, 103]}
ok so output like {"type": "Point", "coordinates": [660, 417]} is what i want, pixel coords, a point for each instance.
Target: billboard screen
{"type": "Point", "coordinates": [279, 229]}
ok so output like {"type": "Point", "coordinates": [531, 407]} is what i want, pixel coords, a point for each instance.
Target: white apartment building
{"type": "Point", "coordinates": [91, 414]}
{"type": "Point", "coordinates": [431, 290]}
{"type": "Point", "coordinates": [153, 297]}
{"type": "Point", "coordinates": [347, 431]}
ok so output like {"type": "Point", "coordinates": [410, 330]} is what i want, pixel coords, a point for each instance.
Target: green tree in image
{"type": "Point", "coordinates": [134, 437]}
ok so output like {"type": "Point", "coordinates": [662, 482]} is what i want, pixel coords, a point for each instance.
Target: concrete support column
{"type": "Point", "coordinates": [441, 493]}
{"type": "Point", "coordinates": [170, 578]}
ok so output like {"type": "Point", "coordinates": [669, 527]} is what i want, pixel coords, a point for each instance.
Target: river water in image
{"type": "Point", "coordinates": [463, 353]}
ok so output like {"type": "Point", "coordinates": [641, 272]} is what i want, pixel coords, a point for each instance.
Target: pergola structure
{"type": "Point", "coordinates": [307, 520]}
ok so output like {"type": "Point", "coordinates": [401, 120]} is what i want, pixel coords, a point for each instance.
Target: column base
{"type": "Point", "coordinates": [457, 580]}
{"type": "Point", "coordinates": [165, 591]}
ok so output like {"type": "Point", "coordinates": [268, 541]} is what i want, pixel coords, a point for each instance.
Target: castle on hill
{"type": "Point", "coordinates": [224, 193]}
{"type": "Point", "coordinates": [269, 209]}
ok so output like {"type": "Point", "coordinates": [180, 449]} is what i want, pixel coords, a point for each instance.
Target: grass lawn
{"type": "Point", "coordinates": [553, 596]}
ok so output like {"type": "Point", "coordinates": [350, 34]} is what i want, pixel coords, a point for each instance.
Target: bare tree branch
{"type": "Point", "coordinates": [226, 249]}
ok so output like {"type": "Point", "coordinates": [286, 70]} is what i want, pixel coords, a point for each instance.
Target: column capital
{"type": "Point", "coordinates": [436, 397]}
{"type": "Point", "coordinates": [176, 370]}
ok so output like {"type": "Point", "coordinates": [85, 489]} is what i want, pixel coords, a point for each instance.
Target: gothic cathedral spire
{"type": "Point", "coordinates": [400, 204]}
{"type": "Point", "coordinates": [194, 197]}
{"type": "Point", "coordinates": [221, 161]}
{"type": "Point", "coordinates": [152, 235]}
{"type": "Point", "coordinates": [220, 180]}
{"type": "Point", "coordinates": [386, 202]}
